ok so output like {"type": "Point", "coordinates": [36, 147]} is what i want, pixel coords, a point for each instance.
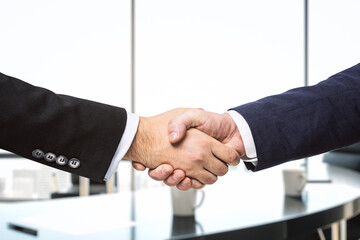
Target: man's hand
{"type": "Point", "coordinates": [196, 154]}
{"type": "Point", "coordinates": [219, 126]}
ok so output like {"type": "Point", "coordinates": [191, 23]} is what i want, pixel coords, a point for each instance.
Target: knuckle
{"type": "Point", "coordinates": [200, 186]}
{"type": "Point", "coordinates": [188, 170]}
{"type": "Point", "coordinates": [224, 170]}
{"type": "Point", "coordinates": [230, 160]}
{"type": "Point", "coordinates": [184, 185]}
{"type": "Point", "coordinates": [198, 157]}
{"type": "Point", "coordinates": [195, 183]}
{"type": "Point", "coordinates": [232, 157]}
{"type": "Point", "coordinates": [154, 176]}
{"type": "Point", "coordinates": [236, 162]}
{"type": "Point", "coordinates": [211, 180]}
{"type": "Point", "coordinates": [195, 112]}
{"type": "Point", "coordinates": [169, 183]}
{"type": "Point", "coordinates": [178, 175]}
{"type": "Point", "coordinates": [214, 180]}
{"type": "Point", "coordinates": [180, 187]}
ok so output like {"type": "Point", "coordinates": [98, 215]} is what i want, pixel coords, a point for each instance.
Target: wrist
{"type": "Point", "coordinates": [235, 141]}
{"type": "Point", "coordinates": [137, 148]}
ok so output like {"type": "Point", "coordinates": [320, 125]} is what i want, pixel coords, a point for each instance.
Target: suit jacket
{"type": "Point", "coordinates": [305, 121]}
{"type": "Point", "coordinates": [71, 134]}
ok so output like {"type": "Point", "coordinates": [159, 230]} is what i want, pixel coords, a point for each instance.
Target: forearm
{"type": "Point", "coordinates": [36, 118]}
{"type": "Point", "coordinates": [306, 121]}
{"type": "Point", "coordinates": [143, 147]}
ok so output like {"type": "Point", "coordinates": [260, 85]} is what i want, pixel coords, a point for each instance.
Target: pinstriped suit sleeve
{"type": "Point", "coordinates": [36, 118]}
{"type": "Point", "coordinates": [305, 121]}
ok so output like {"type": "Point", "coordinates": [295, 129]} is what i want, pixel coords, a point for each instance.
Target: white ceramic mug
{"type": "Point", "coordinates": [294, 181]}
{"type": "Point", "coordinates": [184, 202]}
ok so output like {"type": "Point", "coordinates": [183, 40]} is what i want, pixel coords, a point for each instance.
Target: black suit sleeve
{"type": "Point", "coordinates": [305, 121]}
{"type": "Point", "coordinates": [35, 118]}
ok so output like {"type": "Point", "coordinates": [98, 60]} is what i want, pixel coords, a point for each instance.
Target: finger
{"type": "Point", "coordinates": [184, 184]}
{"type": "Point", "coordinates": [204, 176]}
{"type": "Point", "coordinates": [225, 153]}
{"type": "Point", "coordinates": [216, 166]}
{"type": "Point", "coordinates": [162, 172]}
{"type": "Point", "coordinates": [175, 178]}
{"type": "Point", "coordinates": [138, 166]}
{"type": "Point", "coordinates": [196, 184]}
{"type": "Point", "coordinates": [177, 126]}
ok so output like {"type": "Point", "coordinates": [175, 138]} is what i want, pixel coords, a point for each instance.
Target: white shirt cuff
{"type": "Point", "coordinates": [246, 135]}
{"type": "Point", "coordinates": [125, 143]}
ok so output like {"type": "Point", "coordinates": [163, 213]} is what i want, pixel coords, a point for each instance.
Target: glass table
{"type": "Point", "coordinates": [240, 205]}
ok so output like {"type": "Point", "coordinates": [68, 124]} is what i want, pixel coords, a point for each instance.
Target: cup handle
{"type": "Point", "coordinates": [201, 200]}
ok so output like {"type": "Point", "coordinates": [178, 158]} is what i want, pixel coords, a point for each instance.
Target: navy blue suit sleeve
{"type": "Point", "coordinates": [305, 121]}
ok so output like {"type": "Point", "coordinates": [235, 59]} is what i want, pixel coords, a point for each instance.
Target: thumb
{"type": "Point", "coordinates": [138, 166]}
{"type": "Point", "coordinates": [178, 125]}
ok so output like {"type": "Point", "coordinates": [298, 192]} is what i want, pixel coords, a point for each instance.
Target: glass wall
{"type": "Point", "coordinates": [333, 37]}
{"type": "Point", "coordinates": [216, 54]}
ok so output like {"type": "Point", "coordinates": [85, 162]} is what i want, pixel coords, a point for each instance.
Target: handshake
{"type": "Point", "coordinates": [186, 148]}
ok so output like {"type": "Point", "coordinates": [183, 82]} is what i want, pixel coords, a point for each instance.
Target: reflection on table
{"type": "Point", "coordinates": [240, 205]}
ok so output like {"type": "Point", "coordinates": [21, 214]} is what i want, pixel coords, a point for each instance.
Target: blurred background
{"type": "Point", "coordinates": [191, 53]}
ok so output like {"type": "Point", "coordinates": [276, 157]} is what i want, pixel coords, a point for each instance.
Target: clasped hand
{"type": "Point", "coordinates": [187, 148]}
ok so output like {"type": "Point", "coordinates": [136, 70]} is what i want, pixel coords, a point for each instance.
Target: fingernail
{"type": "Point", "coordinates": [173, 136]}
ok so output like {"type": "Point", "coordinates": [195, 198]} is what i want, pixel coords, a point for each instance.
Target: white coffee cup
{"type": "Point", "coordinates": [294, 181]}
{"type": "Point", "coordinates": [184, 202]}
